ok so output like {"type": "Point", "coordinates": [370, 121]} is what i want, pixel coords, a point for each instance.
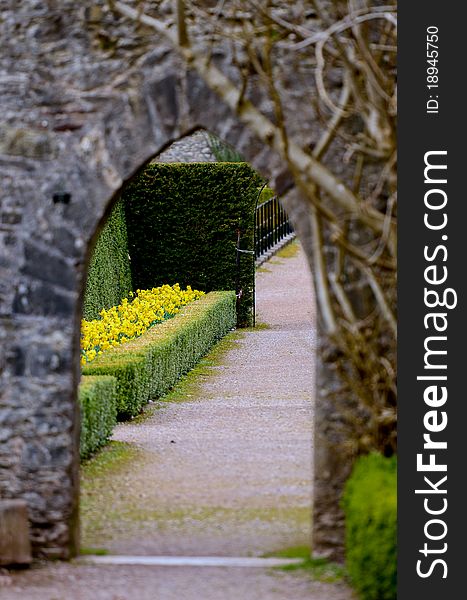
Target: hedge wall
{"type": "Point", "coordinates": [97, 397]}
{"type": "Point", "coordinates": [109, 273]}
{"type": "Point", "coordinates": [370, 506]}
{"type": "Point", "coordinates": [182, 227]}
{"type": "Point", "coordinates": [147, 367]}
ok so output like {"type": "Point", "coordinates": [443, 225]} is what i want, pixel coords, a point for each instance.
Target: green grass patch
{"type": "Point", "coordinates": [93, 552]}
{"type": "Point", "coordinates": [101, 488]}
{"type": "Point", "coordinates": [117, 504]}
{"type": "Point", "coordinates": [263, 269]}
{"type": "Point", "coordinates": [107, 461]}
{"type": "Point", "coordinates": [259, 327]}
{"type": "Point", "coordinates": [189, 386]}
{"type": "Point", "coordinates": [320, 569]}
{"type": "Point", "coordinates": [118, 507]}
{"type": "Point", "coordinates": [289, 250]}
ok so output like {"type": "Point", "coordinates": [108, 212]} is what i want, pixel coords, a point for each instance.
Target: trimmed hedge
{"type": "Point", "coordinates": [109, 273]}
{"type": "Point", "coordinates": [370, 506]}
{"type": "Point", "coordinates": [147, 367]}
{"type": "Point", "coordinates": [98, 398]}
{"type": "Point", "coordinates": [182, 224]}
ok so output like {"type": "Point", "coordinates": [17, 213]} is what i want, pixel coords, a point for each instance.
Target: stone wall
{"type": "Point", "coordinates": [192, 148]}
{"type": "Point", "coordinates": [88, 98]}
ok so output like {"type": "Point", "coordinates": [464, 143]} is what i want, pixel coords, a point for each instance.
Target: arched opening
{"type": "Point", "coordinates": [110, 95]}
{"type": "Point", "coordinates": [225, 466]}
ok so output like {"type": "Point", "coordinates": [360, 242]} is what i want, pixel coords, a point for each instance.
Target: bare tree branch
{"type": "Point", "coordinates": [311, 170]}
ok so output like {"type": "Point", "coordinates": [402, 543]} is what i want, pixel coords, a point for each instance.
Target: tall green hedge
{"type": "Point", "coordinates": [97, 397]}
{"type": "Point", "coordinates": [148, 366]}
{"type": "Point", "coordinates": [109, 274]}
{"type": "Point", "coordinates": [370, 507]}
{"type": "Point", "coordinates": [182, 224]}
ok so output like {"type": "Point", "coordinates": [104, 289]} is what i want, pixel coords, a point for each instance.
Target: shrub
{"type": "Point", "coordinates": [148, 366]}
{"type": "Point", "coordinates": [109, 273]}
{"type": "Point", "coordinates": [97, 397]}
{"type": "Point", "coordinates": [370, 506]}
{"type": "Point", "coordinates": [132, 318]}
{"type": "Point", "coordinates": [182, 224]}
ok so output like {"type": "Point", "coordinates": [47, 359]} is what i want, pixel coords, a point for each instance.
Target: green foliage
{"type": "Point", "coordinates": [182, 227]}
{"type": "Point", "coordinates": [109, 273]}
{"type": "Point", "coordinates": [147, 367]}
{"type": "Point", "coordinates": [266, 194]}
{"type": "Point", "coordinates": [222, 151]}
{"type": "Point", "coordinates": [97, 397]}
{"type": "Point", "coordinates": [370, 506]}
{"type": "Point", "coordinates": [320, 569]}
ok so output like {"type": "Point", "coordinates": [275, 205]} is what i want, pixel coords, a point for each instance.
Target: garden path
{"type": "Point", "coordinates": [223, 469]}
{"type": "Point", "coordinates": [227, 470]}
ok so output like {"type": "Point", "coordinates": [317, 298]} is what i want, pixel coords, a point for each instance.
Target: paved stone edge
{"type": "Point", "coordinates": [188, 561]}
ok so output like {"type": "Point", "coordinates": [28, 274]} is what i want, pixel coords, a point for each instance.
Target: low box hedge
{"type": "Point", "coordinates": [147, 367]}
{"type": "Point", "coordinates": [98, 401]}
{"type": "Point", "coordinates": [370, 507]}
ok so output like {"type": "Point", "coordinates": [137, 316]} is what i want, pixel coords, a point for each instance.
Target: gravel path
{"type": "Point", "coordinates": [226, 473]}
{"type": "Point", "coordinates": [72, 582]}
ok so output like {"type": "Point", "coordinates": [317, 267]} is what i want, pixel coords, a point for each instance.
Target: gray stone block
{"type": "Point", "coordinates": [15, 546]}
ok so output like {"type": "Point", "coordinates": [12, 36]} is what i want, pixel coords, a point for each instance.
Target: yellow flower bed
{"type": "Point", "coordinates": [132, 318]}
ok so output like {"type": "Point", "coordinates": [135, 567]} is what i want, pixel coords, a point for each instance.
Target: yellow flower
{"type": "Point", "coordinates": [132, 318]}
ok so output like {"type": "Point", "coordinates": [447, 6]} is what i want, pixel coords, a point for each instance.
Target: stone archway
{"type": "Point", "coordinates": [74, 130]}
